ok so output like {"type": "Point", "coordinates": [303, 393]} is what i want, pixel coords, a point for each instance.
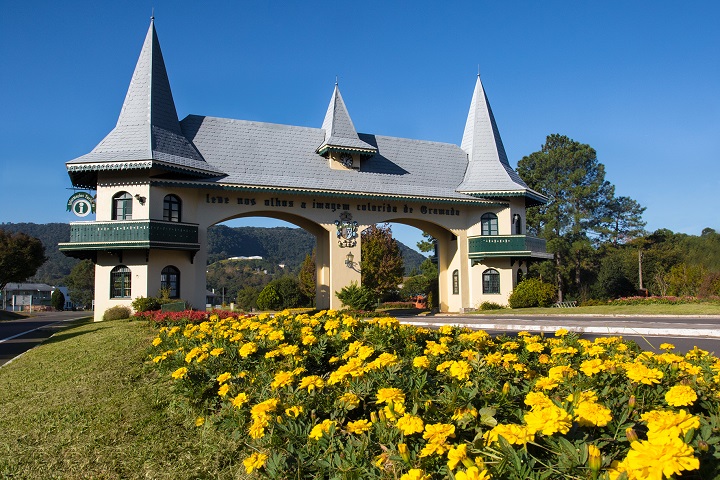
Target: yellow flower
{"type": "Point", "coordinates": [199, 421]}
{"type": "Point", "coordinates": [294, 411]}
{"type": "Point", "coordinates": [409, 424]}
{"type": "Point", "coordinates": [421, 362]}
{"type": "Point", "coordinates": [180, 373]}
{"type": "Point", "coordinates": [247, 349]}
{"type": "Point", "coordinates": [394, 395]}
{"type": "Point", "coordinates": [456, 455]}
{"type": "Point", "coordinates": [591, 367]}
{"type": "Point", "coordinates": [435, 349]}
{"type": "Point", "coordinates": [239, 400]}
{"type": "Point", "coordinates": [669, 424]}
{"type": "Point", "coordinates": [317, 431]}
{"type": "Point", "coordinates": [224, 377]}
{"type": "Point", "coordinates": [359, 426]}
{"type": "Point", "coordinates": [537, 399]}
{"type": "Point", "coordinates": [561, 332]}
{"type": "Point", "coordinates": [653, 461]}
{"type": "Point", "coordinates": [311, 382]}
{"type": "Point", "coordinates": [513, 434]}
{"type": "Point", "coordinates": [414, 474]}
{"type": "Point", "coordinates": [349, 400]}
{"type": "Point", "coordinates": [157, 341]}
{"type": "Point", "coordinates": [223, 390]}
{"type": "Point", "coordinates": [254, 462]}
{"type": "Point", "coordinates": [282, 378]}
{"type": "Point", "coordinates": [589, 414]}
{"type": "Point", "coordinates": [534, 347]}
{"type": "Point", "coordinates": [473, 473]}
{"type": "Point", "coordinates": [438, 433]}
{"type": "Point", "coordinates": [460, 370]}
{"type": "Point", "coordinates": [637, 372]}
{"type": "Point", "coordinates": [680, 396]}
{"type": "Point", "coordinates": [216, 352]}
{"type": "Point", "coordinates": [548, 420]}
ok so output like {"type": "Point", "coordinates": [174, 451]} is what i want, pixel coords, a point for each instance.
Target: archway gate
{"type": "Point", "coordinates": [162, 182]}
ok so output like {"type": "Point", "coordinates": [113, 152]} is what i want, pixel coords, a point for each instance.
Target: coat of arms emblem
{"type": "Point", "coordinates": [346, 230]}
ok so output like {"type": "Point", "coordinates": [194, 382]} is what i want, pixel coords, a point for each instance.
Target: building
{"type": "Point", "coordinates": [162, 182]}
{"type": "Point", "coordinates": [26, 296]}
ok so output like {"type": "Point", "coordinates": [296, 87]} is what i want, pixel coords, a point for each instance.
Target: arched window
{"type": "Point", "coordinates": [491, 281]}
{"type": "Point", "coordinates": [170, 281]}
{"type": "Point", "coordinates": [517, 220]}
{"type": "Point", "coordinates": [122, 206]}
{"type": "Point", "coordinates": [456, 282]}
{"type": "Point", "coordinates": [120, 278]}
{"type": "Point", "coordinates": [520, 276]}
{"type": "Point", "coordinates": [489, 224]}
{"type": "Point", "coordinates": [172, 207]}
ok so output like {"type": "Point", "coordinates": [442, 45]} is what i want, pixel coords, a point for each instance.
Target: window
{"type": "Point", "coordinates": [491, 281]}
{"type": "Point", "coordinates": [456, 282]}
{"type": "Point", "coordinates": [122, 206]}
{"type": "Point", "coordinates": [489, 224]}
{"type": "Point", "coordinates": [120, 282]}
{"type": "Point", "coordinates": [171, 208]}
{"type": "Point", "coordinates": [518, 224]}
{"type": "Point", "coordinates": [170, 281]}
{"type": "Point", "coordinates": [520, 276]}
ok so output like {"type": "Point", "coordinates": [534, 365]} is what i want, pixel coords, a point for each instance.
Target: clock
{"type": "Point", "coordinates": [346, 160]}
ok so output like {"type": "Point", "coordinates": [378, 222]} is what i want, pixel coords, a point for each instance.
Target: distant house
{"type": "Point", "coordinates": [26, 296]}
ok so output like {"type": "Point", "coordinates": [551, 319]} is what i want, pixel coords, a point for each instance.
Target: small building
{"type": "Point", "coordinates": [19, 297]}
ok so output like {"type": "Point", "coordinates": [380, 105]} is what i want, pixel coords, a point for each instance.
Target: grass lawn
{"type": "Point", "coordinates": [85, 405]}
{"type": "Point", "coordinates": [685, 309]}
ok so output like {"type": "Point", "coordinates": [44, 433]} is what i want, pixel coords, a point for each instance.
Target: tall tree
{"type": "Point", "coordinates": [307, 276]}
{"type": "Point", "coordinates": [20, 257]}
{"type": "Point", "coordinates": [623, 220]}
{"type": "Point", "coordinates": [81, 283]}
{"type": "Point", "coordinates": [381, 264]}
{"type": "Point", "coordinates": [569, 174]}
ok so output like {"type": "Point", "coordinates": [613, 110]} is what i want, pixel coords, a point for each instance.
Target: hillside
{"type": "Point", "coordinates": [276, 245]}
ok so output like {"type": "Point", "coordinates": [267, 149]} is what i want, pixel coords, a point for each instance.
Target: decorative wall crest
{"type": "Point", "coordinates": [346, 230]}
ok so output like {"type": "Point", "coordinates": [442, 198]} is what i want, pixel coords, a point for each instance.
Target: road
{"type": "Point", "coordinates": [18, 336]}
{"type": "Point", "coordinates": [648, 332]}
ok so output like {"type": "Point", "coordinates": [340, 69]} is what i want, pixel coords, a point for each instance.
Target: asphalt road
{"type": "Point", "coordinates": [18, 336]}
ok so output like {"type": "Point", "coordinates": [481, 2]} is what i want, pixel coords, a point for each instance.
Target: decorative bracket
{"type": "Point", "coordinates": [346, 230]}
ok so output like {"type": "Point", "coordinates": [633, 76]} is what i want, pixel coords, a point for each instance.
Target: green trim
{"type": "Point", "coordinates": [132, 234]}
{"type": "Point", "coordinates": [320, 193]}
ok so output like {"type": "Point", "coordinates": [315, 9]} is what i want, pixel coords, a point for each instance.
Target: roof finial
{"type": "Point", "coordinates": [152, 14]}
{"type": "Point", "coordinates": [478, 70]}
{"type": "Point", "coordinates": [336, 80]}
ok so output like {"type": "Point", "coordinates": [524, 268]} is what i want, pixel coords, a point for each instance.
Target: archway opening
{"type": "Point", "coordinates": [263, 261]}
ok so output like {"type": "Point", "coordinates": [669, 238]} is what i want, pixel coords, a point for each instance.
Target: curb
{"type": "Point", "coordinates": [607, 330]}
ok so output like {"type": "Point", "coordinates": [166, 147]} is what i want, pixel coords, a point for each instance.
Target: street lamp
{"type": "Point", "coordinates": [349, 260]}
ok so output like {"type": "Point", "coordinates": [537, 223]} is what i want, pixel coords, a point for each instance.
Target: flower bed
{"type": "Point", "coordinates": [331, 396]}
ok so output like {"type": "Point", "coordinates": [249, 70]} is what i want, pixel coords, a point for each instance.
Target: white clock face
{"type": "Point", "coordinates": [346, 160]}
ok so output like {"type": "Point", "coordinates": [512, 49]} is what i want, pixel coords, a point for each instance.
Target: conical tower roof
{"type": "Point", "coordinates": [488, 169]}
{"type": "Point", "coordinates": [340, 133]}
{"type": "Point", "coordinates": [147, 133]}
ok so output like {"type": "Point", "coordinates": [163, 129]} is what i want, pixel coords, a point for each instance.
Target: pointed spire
{"type": "Point", "coordinates": [488, 166]}
{"type": "Point", "coordinates": [340, 133]}
{"type": "Point", "coordinates": [148, 132]}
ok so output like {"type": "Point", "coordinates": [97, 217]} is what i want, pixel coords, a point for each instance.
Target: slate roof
{"type": "Point", "coordinates": [283, 156]}
{"type": "Point", "coordinates": [239, 153]}
{"type": "Point", "coordinates": [147, 133]}
{"type": "Point", "coordinates": [340, 133]}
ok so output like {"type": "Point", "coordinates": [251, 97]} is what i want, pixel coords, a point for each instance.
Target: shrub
{"type": "Point", "coordinates": [269, 299]}
{"type": "Point", "coordinates": [359, 298]}
{"type": "Point", "coordinates": [145, 304]}
{"type": "Point", "coordinates": [117, 312]}
{"type": "Point", "coordinates": [490, 306]}
{"type": "Point", "coordinates": [58, 300]}
{"type": "Point", "coordinates": [531, 292]}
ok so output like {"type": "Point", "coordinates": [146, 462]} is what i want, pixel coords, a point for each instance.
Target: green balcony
{"type": "Point", "coordinates": [511, 246]}
{"type": "Point", "coordinates": [86, 238]}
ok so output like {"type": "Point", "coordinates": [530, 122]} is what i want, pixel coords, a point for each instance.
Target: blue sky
{"type": "Point", "coordinates": [639, 81]}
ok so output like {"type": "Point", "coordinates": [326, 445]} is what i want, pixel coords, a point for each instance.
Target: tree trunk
{"type": "Point", "coordinates": [558, 276]}
{"type": "Point", "coordinates": [640, 258]}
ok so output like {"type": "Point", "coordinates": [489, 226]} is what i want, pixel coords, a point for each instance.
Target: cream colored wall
{"type": "Point", "coordinates": [209, 207]}
{"type": "Point", "coordinates": [135, 261]}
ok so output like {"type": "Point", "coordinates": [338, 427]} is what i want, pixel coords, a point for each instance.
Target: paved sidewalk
{"type": "Point", "coordinates": [685, 326]}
